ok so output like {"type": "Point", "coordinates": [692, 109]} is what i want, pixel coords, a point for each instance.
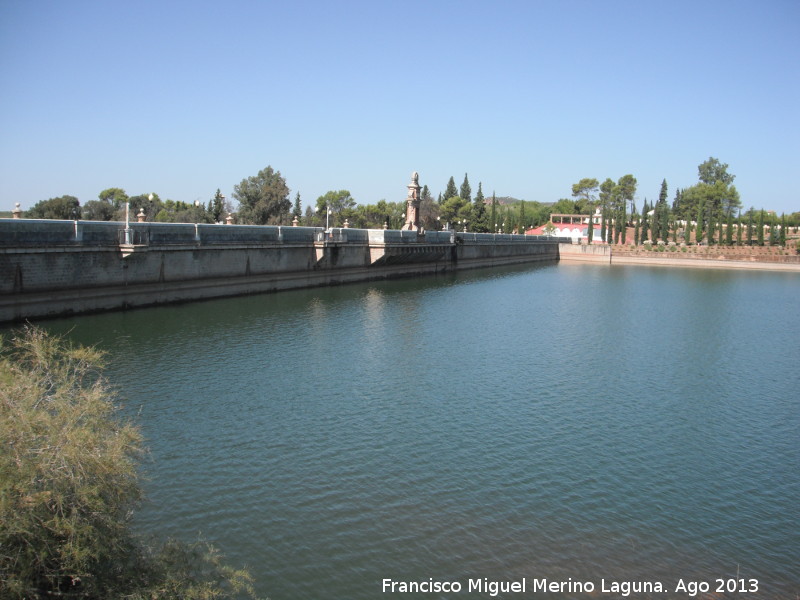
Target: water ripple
{"type": "Point", "coordinates": [556, 422]}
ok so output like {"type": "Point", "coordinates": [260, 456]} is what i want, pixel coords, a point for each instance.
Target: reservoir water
{"type": "Point", "coordinates": [563, 422]}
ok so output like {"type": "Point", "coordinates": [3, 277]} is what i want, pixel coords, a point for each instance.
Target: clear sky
{"type": "Point", "coordinates": [527, 97]}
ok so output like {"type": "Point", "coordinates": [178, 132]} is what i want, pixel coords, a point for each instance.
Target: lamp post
{"type": "Point", "coordinates": [127, 223]}
{"type": "Point", "coordinates": [327, 215]}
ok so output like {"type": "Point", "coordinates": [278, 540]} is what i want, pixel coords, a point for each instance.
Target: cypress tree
{"type": "Point", "coordinates": [782, 240]}
{"type": "Point", "coordinates": [760, 232]}
{"type": "Point", "coordinates": [654, 223]}
{"type": "Point", "coordinates": [662, 214]}
{"type": "Point", "coordinates": [729, 230]}
{"type": "Point", "coordinates": [603, 224]}
{"type": "Point", "coordinates": [739, 229]}
{"type": "Point", "coordinates": [645, 210]}
{"type": "Point", "coordinates": [711, 224]}
{"type": "Point", "coordinates": [698, 232]}
{"type": "Point", "coordinates": [750, 227]}
{"type": "Point", "coordinates": [664, 227]}
{"type": "Point", "coordinates": [636, 233]}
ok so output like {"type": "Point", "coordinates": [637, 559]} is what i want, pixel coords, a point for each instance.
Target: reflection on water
{"type": "Point", "coordinates": [549, 422]}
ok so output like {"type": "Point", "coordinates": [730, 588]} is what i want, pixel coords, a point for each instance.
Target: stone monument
{"type": "Point", "coordinates": [412, 204]}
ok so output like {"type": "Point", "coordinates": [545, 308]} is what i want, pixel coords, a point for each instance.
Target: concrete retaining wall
{"type": "Point", "coordinates": [585, 253]}
{"type": "Point", "coordinates": [720, 259]}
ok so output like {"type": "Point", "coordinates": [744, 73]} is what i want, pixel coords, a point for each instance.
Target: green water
{"type": "Point", "coordinates": [558, 421]}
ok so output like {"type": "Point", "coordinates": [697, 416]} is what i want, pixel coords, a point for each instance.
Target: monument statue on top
{"type": "Point", "coordinates": [412, 204]}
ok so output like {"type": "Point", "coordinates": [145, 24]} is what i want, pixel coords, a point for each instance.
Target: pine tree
{"type": "Point", "coordinates": [217, 206]}
{"type": "Point", "coordinates": [479, 214]}
{"type": "Point", "coordinates": [466, 191]}
{"type": "Point", "coordinates": [297, 212]}
{"type": "Point", "coordinates": [493, 222]}
{"type": "Point", "coordinates": [450, 191]}
{"type": "Point", "coordinates": [479, 199]}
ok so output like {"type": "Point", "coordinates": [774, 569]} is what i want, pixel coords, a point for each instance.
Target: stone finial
{"type": "Point", "coordinates": [229, 219]}
{"type": "Point", "coordinates": [295, 221]}
{"type": "Point", "coordinates": [17, 212]}
{"type": "Point", "coordinates": [346, 224]}
{"type": "Point", "coordinates": [141, 216]}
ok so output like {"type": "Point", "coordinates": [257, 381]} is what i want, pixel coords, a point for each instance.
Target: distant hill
{"type": "Point", "coordinates": [512, 200]}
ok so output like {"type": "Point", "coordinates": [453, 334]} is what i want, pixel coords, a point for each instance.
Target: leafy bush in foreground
{"type": "Point", "coordinates": [69, 485]}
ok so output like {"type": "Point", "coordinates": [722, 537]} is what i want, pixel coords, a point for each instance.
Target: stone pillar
{"type": "Point", "coordinates": [17, 212]}
{"type": "Point", "coordinates": [412, 204]}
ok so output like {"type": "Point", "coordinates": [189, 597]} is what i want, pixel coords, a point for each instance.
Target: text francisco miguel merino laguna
{"type": "Point", "coordinates": [494, 588]}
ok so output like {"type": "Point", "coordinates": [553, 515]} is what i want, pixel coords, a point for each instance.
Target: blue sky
{"type": "Point", "coordinates": [182, 98]}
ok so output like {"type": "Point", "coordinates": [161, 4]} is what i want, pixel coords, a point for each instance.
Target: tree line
{"type": "Point", "coordinates": [700, 212]}
{"type": "Point", "coordinates": [709, 212]}
{"type": "Point", "coordinates": [111, 206]}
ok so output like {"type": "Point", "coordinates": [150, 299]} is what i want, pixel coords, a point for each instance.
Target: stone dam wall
{"type": "Point", "coordinates": [53, 268]}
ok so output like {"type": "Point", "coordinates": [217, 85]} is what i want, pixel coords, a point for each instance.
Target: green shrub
{"type": "Point", "coordinates": [69, 484]}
